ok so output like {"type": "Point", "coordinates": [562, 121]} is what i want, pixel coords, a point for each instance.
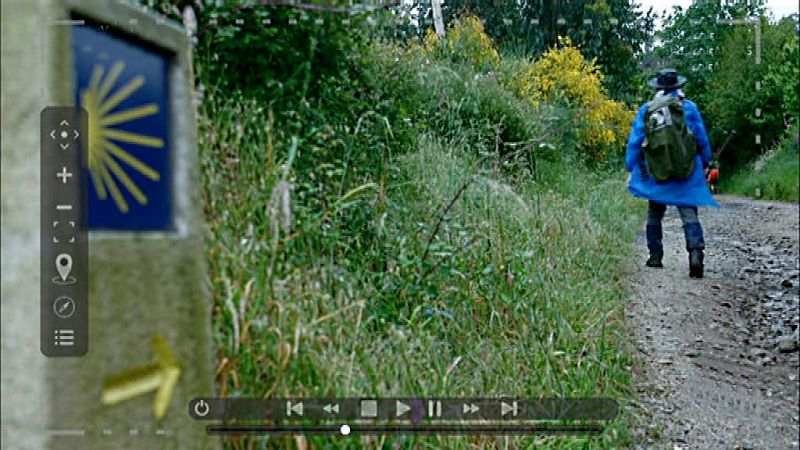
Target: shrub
{"type": "Point", "coordinates": [782, 78]}
{"type": "Point", "coordinates": [775, 174]}
{"type": "Point", "coordinates": [563, 75]}
{"type": "Point", "coordinates": [338, 270]}
{"type": "Point", "coordinates": [466, 41]}
{"type": "Point", "coordinates": [280, 64]}
{"type": "Point", "coordinates": [732, 102]}
{"type": "Point", "coordinates": [448, 100]}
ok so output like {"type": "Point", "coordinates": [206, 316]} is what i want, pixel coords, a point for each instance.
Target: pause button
{"type": "Point", "coordinates": [434, 408]}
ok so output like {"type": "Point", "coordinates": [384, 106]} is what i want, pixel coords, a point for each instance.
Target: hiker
{"type": "Point", "coordinates": [712, 177]}
{"type": "Point", "coordinates": [667, 153]}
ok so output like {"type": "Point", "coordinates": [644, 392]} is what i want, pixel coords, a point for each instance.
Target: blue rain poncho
{"type": "Point", "coordinates": [692, 191]}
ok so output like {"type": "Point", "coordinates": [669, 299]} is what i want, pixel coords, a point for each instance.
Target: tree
{"type": "Point", "coordinates": [612, 31]}
{"type": "Point", "coordinates": [691, 40]}
{"type": "Point", "coordinates": [269, 51]}
{"type": "Point", "coordinates": [734, 104]}
{"type": "Point", "coordinates": [563, 75]}
{"type": "Point", "coordinates": [784, 79]}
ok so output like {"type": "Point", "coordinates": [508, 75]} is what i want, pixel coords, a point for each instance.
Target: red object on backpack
{"type": "Point", "coordinates": [714, 175]}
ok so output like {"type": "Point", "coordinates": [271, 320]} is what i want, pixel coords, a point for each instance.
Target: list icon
{"type": "Point", "coordinates": [64, 337]}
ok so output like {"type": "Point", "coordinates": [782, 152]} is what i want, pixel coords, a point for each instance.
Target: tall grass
{"type": "Point", "coordinates": [776, 176]}
{"type": "Point", "coordinates": [443, 272]}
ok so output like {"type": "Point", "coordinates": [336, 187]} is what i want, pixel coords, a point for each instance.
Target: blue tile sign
{"type": "Point", "coordinates": [124, 88]}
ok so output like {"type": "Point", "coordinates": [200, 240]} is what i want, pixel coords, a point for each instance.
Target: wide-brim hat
{"type": "Point", "coordinates": [667, 79]}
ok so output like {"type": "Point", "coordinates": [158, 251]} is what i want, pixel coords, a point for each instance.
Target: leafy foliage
{"type": "Point", "coordinates": [714, 45]}
{"type": "Point", "coordinates": [563, 75]}
{"type": "Point", "coordinates": [467, 41]}
{"type": "Point", "coordinates": [776, 174]}
{"type": "Point", "coordinates": [612, 31]}
{"type": "Point", "coordinates": [391, 214]}
{"type": "Point", "coordinates": [735, 105]}
{"type": "Point", "coordinates": [692, 40]}
{"type": "Point", "coordinates": [783, 79]}
{"type": "Point", "coordinates": [281, 61]}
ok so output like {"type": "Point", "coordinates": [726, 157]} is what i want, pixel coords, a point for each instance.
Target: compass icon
{"type": "Point", "coordinates": [64, 306]}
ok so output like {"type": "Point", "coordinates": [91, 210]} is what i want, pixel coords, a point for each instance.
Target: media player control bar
{"type": "Point", "coordinates": [414, 410]}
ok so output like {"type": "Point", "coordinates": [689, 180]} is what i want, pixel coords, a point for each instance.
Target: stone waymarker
{"type": "Point", "coordinates": [149, 344]}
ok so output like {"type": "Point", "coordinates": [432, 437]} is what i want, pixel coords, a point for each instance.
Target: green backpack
{"type": "Point", "coordinates": [669, 148]}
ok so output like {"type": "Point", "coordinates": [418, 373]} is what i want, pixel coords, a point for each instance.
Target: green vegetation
{"type": "Point", "coordinates": [612, 32]}
{"type": "Point", "coordinates": [776, 175]}
{"type": "Point", "coordinates": [394, 214]}
{"type": "Point", "coordinates": [414, 230]}
{"type": "Point", "coordinates": [739, 98]}
{"type": "Point", "coordinates": [693, 40]}
{"type": "Point", "coordinates": [734, 105]}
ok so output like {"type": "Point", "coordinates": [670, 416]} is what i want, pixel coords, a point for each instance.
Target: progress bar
{"type": "Point", "coordinates": [441, 429]}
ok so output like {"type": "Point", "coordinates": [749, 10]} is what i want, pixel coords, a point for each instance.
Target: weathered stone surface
{"type": "Point", "coordinates": [140, 283]}
{"type": "Point", "coordinates": [23, 91]}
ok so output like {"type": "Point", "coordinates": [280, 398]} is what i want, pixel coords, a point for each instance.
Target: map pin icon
{"type": "Point", "coordinates": [63, 265]}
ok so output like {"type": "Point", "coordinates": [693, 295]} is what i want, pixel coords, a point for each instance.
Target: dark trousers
{"type": "Point", "coordinates": [692, 230]}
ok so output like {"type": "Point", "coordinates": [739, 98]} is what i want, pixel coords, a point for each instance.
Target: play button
{"type": "Point", "coordinates": [401, 408]}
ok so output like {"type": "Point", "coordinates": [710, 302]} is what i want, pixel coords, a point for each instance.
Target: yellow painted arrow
{"type": "Point", "coordinates": [160, 376]}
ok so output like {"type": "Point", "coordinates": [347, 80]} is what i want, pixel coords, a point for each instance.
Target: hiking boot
{"type": "Point", "coordinates": [654, 245]}
{"type": "Point", "coordinates": [696, 263]}
{"type": "Point", "coordinates": [654, 260]}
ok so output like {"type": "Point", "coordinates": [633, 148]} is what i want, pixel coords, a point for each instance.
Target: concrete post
{"type": "Point", "coordinates": [144, 284]}
{"type": "Point", "coordinates": [438, 21]}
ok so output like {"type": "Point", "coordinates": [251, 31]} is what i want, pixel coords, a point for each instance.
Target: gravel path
{"type": "Point", "coordinates": [719, 356]}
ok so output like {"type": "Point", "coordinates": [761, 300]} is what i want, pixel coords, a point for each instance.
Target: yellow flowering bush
{"type": "Point", "coordinates": [562, 74]}
{"type": "Point", "coordinates": [466, 40]}
{"type": "Point", "coordinates": [431, 41]}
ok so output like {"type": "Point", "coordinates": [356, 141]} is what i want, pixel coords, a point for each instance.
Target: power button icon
{"type": "Point", "coordinates": [201, 408]}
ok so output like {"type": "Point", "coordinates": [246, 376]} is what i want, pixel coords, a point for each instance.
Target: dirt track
{"type": "Point", "coordinates": [720, 355]}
